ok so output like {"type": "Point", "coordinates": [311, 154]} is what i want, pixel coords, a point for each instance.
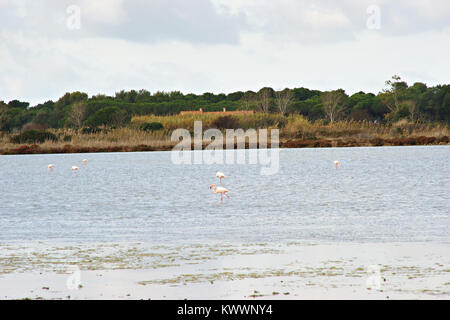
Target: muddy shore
{"type": "Point", "coordinates": [292, 143]}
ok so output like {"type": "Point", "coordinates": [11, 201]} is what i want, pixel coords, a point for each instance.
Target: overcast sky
{"type": "Point", "coordinates": [47, 49]}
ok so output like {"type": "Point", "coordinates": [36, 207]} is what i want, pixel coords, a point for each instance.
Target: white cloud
{"type": "Point", "coordinates": [309, 21]}
{"type": "Point", "coordinates": [196, 46]}
{"type": "Point", "coordinates": [194, 21]}
{"type": "Point", "coordinates": [104, 11]}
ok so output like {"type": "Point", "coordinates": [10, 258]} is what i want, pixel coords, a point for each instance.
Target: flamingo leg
{"type": "Point", "coordinates": [227, 195]}
{"type": "Point", "coordinates": [221, 197]}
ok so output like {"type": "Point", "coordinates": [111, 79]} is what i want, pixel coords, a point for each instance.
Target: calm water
{"type": "Point", "coordinates": [378, 194]}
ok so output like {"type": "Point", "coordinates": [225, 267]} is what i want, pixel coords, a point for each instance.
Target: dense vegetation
{"type": "Point", "coordinates": [416, 103]}
{"type": "Point", "coordinates": [33, 136]}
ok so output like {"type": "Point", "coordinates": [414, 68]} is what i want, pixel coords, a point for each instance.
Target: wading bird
{"type": "Point", "coordinates": [220, 190]}
{"type": "Point", "coordinates": [220, 175]}
{"type": "Point", "coordinates": [74, 168]}
{"type": "Point", "coordinates": [84, 161]}
{"type": "Point", "coordinates": [336, 163]}
{"type": "Point", "coordinates": [50, 166]}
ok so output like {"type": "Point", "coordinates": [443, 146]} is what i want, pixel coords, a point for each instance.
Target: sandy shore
{"type": "Point", "coordinates": [225, 271]}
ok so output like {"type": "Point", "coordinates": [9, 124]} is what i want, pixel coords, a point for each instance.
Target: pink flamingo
{"type": "Point", "coordinates": [220, 175]}
{"type": "Point", "coordinates": [220, 190]}
{"type": "Point", "coordinates": [336, 163]}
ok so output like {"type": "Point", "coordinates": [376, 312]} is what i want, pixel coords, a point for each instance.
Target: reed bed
{"type": "Point", "coordinates": [295, 131]}
{"type": "Point", "coordinates": [244, 121]}
{"type": "Point", "coordinates": [297, 126]}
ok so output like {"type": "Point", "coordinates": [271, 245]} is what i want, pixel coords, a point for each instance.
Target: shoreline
{"type": "Point", "coordinates": [300, 270]}
{"type": "Point", "coordinates": [291, 143]}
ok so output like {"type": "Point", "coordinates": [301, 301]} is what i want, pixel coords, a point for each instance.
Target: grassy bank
{"type": "Point", "coordinates": [295, 132]}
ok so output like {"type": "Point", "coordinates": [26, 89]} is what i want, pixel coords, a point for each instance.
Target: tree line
{"type": "Point", "coordinates": [76, 109]}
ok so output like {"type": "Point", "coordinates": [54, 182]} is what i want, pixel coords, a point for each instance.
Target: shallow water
{"type": "Point", "coordinates": [379, 194]}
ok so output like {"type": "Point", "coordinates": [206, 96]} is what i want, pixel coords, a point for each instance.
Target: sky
{"type": "Point", "coordinates": [51, 47]}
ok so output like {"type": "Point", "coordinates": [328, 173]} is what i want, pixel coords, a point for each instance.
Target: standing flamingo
{"type": "Point", "coordinates": [50, 166]}
{"type": "Point", "coordinates": [74, 168]}
{"type": "Point", "coordinates": [220, 190]}
{"type": "Point", "coordinates": [220, 175]}
{"type": "Point", "coordinates": [336, 163]}
{"type": "Point", "coordinates": [84, 161]}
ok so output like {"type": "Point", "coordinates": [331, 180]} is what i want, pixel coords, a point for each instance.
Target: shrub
{"type": "Point", "coordinates": [281, 123]}
{"type": "Point", "coordinates": [67, 138]}
{"type": "Point", "coordinates": [151, 126]}
{"type": "Point", "coordinates": [33, 126]}
{"type": "Point", "coordinates": [34, 136]}
{"type": "Point", "coordinates": [265, 122]}
{"type": "Point", "coordinates": [225, 122]}
{"type": "Point", "coordinates": [89, 130]}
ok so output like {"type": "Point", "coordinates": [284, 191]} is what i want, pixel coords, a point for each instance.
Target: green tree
{"type": "Point", "coordinates": [70, 98]}
{"type": "Point", "coordinates": [42, 118]}
{"type": "Point", "coordinates": [109, 116]}
{"type": "Point", "coordinates": [78, 114]}
{"type": "Point", "coordinates": [248, 99]}
{"type": "Point", "coordinates": [394, 94]}
{"type": "Point", "coordinates": [333, 103]}
{"type": "Point", "coordinates": [264, 98]}
{"type": "Point", "coordinates": [3, 116]}
{"type": "Point", "coordinates": [283, 99]}
{"type": "Point", "coordinates": [301, 94]}
{"type": "Point", "coordinates": [18, 104]}
{"type": "Point", "coordinates": [235, 96]}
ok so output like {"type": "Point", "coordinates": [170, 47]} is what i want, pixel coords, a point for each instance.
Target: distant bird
{"type": "Point", "coordinates": [50, 166]}
{"type": "Point", "coordinates": [220, 190]}
{"type": "Point", "coordinates": [220, 175]}
{"type": "Point", "coordinates": [74, 168]}
{"type": "Point", "coordinates": [336, 163]}
{"type": "Point", "coordinates": [84, 161]}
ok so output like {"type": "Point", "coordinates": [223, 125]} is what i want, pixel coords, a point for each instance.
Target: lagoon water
{"type": "Point", "coordinates": [379, 194]}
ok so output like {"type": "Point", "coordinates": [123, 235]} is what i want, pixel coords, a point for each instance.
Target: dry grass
{"type": "Point", "coordinates": [296, 128]}
{"type": "Point", "coordinates": [244, 121]}
{"type": "Point", "coordinates": [295, 131]}
{"type": "Point", "coordinates": [113, 140]}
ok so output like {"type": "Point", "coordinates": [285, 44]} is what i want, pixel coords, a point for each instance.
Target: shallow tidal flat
{"type": "Point", "coordinates": [138, 226]}
{"type": "Point", "coordinates": [293, 270]}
